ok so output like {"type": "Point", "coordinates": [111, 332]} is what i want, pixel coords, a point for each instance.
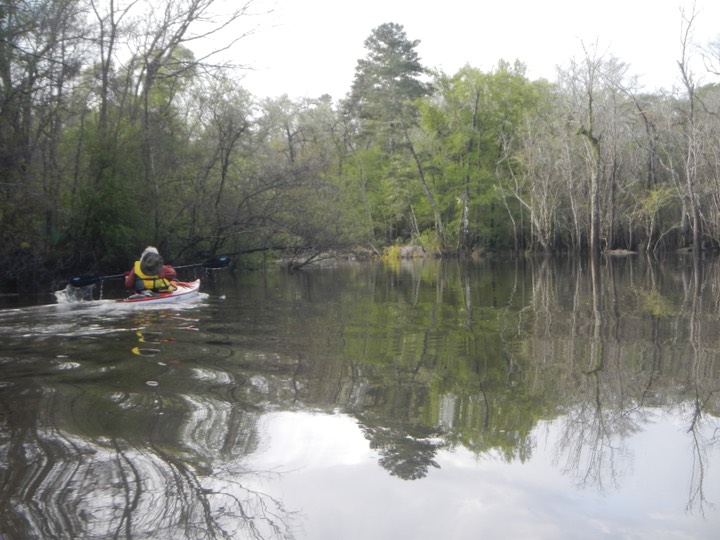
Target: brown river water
{"type": "Point", "coordinates": [495, 399]}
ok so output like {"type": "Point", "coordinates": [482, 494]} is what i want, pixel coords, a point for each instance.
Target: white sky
{"type": "Point", "coordinates": [306, 48]}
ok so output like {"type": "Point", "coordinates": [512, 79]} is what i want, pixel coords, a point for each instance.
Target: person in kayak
{"type": "Point", "coordinates": [149, 275]}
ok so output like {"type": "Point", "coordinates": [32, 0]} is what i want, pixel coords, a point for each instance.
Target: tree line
{"type": "Point", "coordinates": [115, 134]}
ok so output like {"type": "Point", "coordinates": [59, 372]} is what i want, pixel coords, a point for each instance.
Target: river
{"type": "Point", "coordinates": [490, 399]}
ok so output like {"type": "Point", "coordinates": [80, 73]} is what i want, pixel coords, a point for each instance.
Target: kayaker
{"type": "Point", "coordinates": [149, 275]}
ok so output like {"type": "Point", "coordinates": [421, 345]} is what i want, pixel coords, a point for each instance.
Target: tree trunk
{"type": "Point", "coordinates": [465, 243]}
{"type": "Point", "coordinates": [439, 227]}
{"type": "Point", "coordinates": [594, 150]}
{"type": "Point", "coordinates": [691, 160]}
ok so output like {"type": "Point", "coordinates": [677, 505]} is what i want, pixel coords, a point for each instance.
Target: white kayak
{"type": "Point", "coordinates": [185, 291]}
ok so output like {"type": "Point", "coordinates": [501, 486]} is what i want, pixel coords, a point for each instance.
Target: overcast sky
{"type": "Point", "coordinates": [306, 48]}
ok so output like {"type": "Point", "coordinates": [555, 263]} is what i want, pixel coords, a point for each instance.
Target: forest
{"type": "Point", "coordinates": [116, 134]}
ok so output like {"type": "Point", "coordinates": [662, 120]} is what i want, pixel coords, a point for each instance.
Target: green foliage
{"type": "Point", "coordinates": [112, 220]}
{"type": "Point", "coordinates": [392, 253]}
{"type": "Point", "coordinates": [430, 242]}
{"type": "Point", "coordinates": [383, 100]}
{"type": "Point", "coordinates": [114, 225]}
{"type": "Point", "coordinates": [388, 81]}
{"type": "Point", "coordinates": [655, 200]}
{"type": "Point", "coordinates": [159, 147]}
{"type": "Point", "coordinates": [472, 125]}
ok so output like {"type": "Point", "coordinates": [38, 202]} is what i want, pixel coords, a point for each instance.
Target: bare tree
{"type": "Point", "coordinates": [590, 75]}
{"type": "Point", "coordinates": [165, 59]}
{"type": "Point", "coordinates": [692, 154]}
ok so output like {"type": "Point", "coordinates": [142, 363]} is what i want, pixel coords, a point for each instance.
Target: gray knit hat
{"type": "Point", "coordinates": [151, 262]}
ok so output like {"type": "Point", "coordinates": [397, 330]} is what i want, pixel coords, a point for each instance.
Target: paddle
{"type": "Point", "coordinates": [221, 261]}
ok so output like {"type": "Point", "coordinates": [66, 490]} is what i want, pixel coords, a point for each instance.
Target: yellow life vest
{"type": "Point", "coordinates": [153, 283]}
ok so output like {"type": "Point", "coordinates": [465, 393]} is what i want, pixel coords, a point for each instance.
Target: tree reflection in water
{"type": "Point", "coordinates": [426, 360]}
{"type": "Point", "coordinates": [615, 379]}
{"type": "Point", "coordinates": [402, 454]}
{"type": "Point", "coordinates": [703, 387]}
{"type": "Point", "coordinates": [64, 485]}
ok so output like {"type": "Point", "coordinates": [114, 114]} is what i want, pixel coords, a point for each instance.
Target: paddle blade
{"type": "Point", "coordinates": [84, 281]}
{"type": "Point", "coordinates": [220, 261]}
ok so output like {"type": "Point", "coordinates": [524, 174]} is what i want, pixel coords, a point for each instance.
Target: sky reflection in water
{"type": "Point", "coordinates": [329, 473]}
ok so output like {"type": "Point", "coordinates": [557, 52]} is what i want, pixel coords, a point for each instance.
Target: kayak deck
{"type": "Point", "coordinates": [185, 290]}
